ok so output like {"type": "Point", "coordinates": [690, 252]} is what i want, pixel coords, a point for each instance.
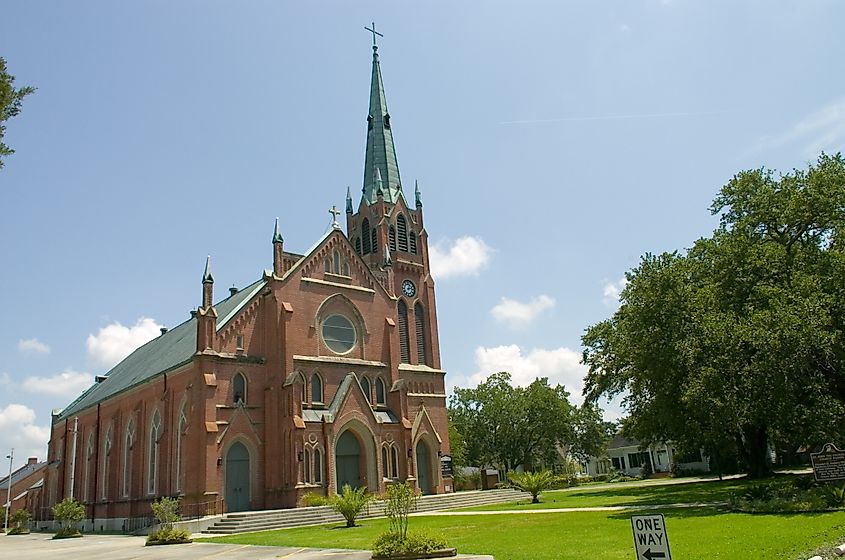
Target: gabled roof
{"type": "Point", "coordinates": [164, 353]}
{"type": "Point", "coordinates": [618, 441]}
{"type": "Point", "coordinates": [21, 473]}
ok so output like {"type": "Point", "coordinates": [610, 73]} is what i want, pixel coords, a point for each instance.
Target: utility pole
{"type": "Point", "coordinates": [11, 458]}
{"type": "Point", "coordinates": [73, 455]}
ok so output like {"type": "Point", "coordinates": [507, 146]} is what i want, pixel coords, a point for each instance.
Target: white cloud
{"type": "Point", "coordinates": [519, 313]}
{"type": "Point", "coordinates": [114, 342]}
{"type": "Point", "coordinates": [823, 129]}
{"type": "Point", "coordinates": [612, 292]}
{"type": "Point", "coordinates": [561, 365]}
{"type": "Point", "coordinates": [18, 430]}
{"type": "Point", "coordinates": [68, 383]}
{"type": "Point", "coordinates": [32, 346]}
{"type": "Point", "coordinates": [465, 257]}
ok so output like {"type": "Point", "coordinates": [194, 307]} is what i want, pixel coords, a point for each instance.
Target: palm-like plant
{"type": "Point", "coordinates": [532, 482]}
{"type": "Point", "coordinates": [350, 503]}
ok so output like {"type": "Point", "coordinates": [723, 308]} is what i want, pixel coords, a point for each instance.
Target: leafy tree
{"type": "Point", "coordinates": [350, 503]}
{"type": "Point", "coordinates": [68, 513]}
{"type": "Point", "coordinates": [399, 500]}
{"type": "Point", "coordinates": [532, 482]}
{"type": "Point", "coordinates": [10, 104]}
{"type": "Point", "coordinates": [512, 426]}
{"type": "Point", "coordinates": [741, 339]}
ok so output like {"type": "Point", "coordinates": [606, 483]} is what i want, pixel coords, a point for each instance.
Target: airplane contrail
{"type": "Point", "coordinates": [614, 117]}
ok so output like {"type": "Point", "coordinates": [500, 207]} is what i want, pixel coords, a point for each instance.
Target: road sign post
{"type": "Point", "coordinates": [650, 538]}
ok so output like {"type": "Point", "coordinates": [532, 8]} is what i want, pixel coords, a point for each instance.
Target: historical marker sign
{"type": "Point", "coordinates": [829, 464]}
{"type": "Point", "coordinates": [650, 538]}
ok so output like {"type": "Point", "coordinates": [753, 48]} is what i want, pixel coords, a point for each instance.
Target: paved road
{"type": "Point", "coordinates": [38, 546]}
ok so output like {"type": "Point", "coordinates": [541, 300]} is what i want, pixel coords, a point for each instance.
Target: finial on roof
{"type": "Point", "coordinates": [348, 200]}
{"type": "Point", "coordinates": [207, 278]}
{"type": "Point", "coordinates": [417, 196]}
{"type": "Point", "coordinates": [334, 212]}
{"type": "Point", "coordinates": [277, 237]}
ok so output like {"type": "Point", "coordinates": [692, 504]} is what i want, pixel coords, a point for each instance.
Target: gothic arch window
{"type": "Point", "coordinates": [336, 262]}
{"type": "Point", "coordinates": [107, 447]}
{"type": "Point", "coordinates": [419, 317]}
{"type": "Point", "coordinates": [391, 238]}
{"type": "Point", "coordinates": [358, 245]}
{"type": "Point", "coordinates": [152, 459]}
{"type": "Point", "coordinates": [318, 466]}
{"type": "Point", "coordinates": [412, 238]}
{"type": "Point", "coordinates": [239, 389]}
{"type": "Point", "coordinates": [307, 466]}
{"type": "Point", "coordinates": [180, 443]}
{"type": "Point", "coordinates": [379, 391]}
{"type": "Point", "coordinates": [90, 450]}
{"type": "Point", "coordinates": [365, 234]}
{"type": "Point", "coordinates": [327, 265]}
{"type": "Point", "coordinates": [374, 235]}
{"type": "Point", "coordinates": [302, 385]}
{"type": "Point", "coordinates": [365, 386]}
{"type": "Point", "coordinates": [345, 269]}
{"type": "Point", "coordinates": [316, 388]}
{"type": "Point", "coordinates": [128, 444]}
{"type": "Point", "coordinates": [404, 344]}
{"type": "Point", "coordinates": [385, 464]}
{"type": "Point", "coordinates": [394, 461]}
{"type": "Point", "coordinates": [402, 233]}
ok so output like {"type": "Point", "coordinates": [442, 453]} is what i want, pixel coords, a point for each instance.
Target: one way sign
{"type": "Point", "coordinates": [650, 537]}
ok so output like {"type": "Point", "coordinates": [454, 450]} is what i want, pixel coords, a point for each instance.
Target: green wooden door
{"type": "Point", "coordinates": [423, 468]}
{"type": "Point", "coordinates": [348, 461]}
{"type": "Point", "coordinates": [237, 478]}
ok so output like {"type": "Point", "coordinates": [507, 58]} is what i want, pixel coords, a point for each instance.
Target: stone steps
{"type": "Point", "coordinates": [246, 521]}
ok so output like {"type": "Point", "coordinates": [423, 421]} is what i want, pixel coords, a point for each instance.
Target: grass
{"type": "Point", "coordinates": [697, 533]}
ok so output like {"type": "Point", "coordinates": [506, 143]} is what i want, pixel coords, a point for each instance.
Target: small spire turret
{"type": "Point", "coordinates": [277, 237]}
{"type": "Point", "coordinates": [278, 251]}
{"type": "Point", "coordinates": [207, 278]}
{"type": "Point", "coordinates": [348, 200]}
{"type": "Point", "coordinates": [417, 196]}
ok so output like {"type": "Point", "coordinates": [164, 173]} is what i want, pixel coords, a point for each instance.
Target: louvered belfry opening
{"type": "Point", "coordinates": [419, 316]}
{"type": "Point", "coordinates": [391, 237]}
{"type": "Point", "coordinates": [412, 237]}
{"type": "Point", "coordinates": [404, 344]}
{"type": "Point", "coordinates": [365, 234]}
{"type": "Point", "coordinates": [402, 233]}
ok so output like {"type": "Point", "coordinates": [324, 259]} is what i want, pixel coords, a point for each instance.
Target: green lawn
{"type": "Point", "coordinates": [650, 494]}
{"type": "Point", "coordinates": [693, 534]}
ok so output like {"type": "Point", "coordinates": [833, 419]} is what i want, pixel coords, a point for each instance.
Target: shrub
{"type": "Point", "coordinates": [312, 499]}
{"type": "Point", "coordinates": [68, 513]}
{"type": "Point", "coordinates": [166, 511]}
{"type": "Point", "coordinates": [532, 482]}
{"type": "Point", "coordinates": [350, 503]}
{"type": "Point", "coordinates": [391, 544]}
{"type": "Point", "coordinates": [169, 535]}
{"type": "Point", "coordinates": [20, 522]}
{"type": "Point", "coordinates": [399, 500]}
{"type": "Point", "coordinates": [804, 482]}
{"type": "Point", "coordinates": [834, 496]}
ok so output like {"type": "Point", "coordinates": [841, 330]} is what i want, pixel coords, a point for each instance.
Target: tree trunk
{"type": "Point", "coordinates": [754, 447]}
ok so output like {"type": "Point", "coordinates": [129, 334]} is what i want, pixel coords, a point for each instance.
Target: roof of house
{"type": "Point", "coordinates": [164, 353]}
{"type": "Point", "coordinates": [21, 473]}
{"type": "Point", "coordinates": [618, 441]}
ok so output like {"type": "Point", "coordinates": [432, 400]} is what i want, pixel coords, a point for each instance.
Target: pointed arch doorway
{"type": "Point", "coordinates": [348, 461]}
{"type": "Point", "coordinates": [237, 477]}
{"type": "Point", "coordinates": [424, 478]}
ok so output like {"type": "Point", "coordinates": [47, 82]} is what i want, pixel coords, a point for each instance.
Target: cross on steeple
{"type": "Point", "coordinates": [374, 32]}
{"type": "Point", "coordinates": [334, 212]}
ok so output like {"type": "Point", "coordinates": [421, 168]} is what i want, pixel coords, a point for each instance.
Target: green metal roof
{"type": "Point", "coordinates": [381, 154]}
{"type": "Point", "coordinates": [164, 353]}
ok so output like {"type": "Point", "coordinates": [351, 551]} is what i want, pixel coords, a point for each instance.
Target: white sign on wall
{"type": "Point", "coordinates": [650, 538]}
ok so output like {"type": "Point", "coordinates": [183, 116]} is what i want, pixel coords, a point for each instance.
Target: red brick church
{"type": "Point", "coordinates": [323, 372]}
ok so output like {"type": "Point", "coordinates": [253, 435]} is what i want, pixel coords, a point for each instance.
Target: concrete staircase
{"type": "Point", "coordinates": [245, 521]}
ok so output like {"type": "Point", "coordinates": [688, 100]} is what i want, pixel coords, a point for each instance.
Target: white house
{"type": "Point", "coordinates": [627, 456]}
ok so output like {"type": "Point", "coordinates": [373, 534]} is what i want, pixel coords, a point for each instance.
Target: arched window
{"type": "Point", "coordinates": [384, 462]}
{"type": "Point", "coordinates": [128, 444]}
{"type": "Point", "coordinates": [239, 389]}
{"type": "Point", "coordinates": [402, 233]}
{"type": "Point", "coordinates": [327, 265]}
{"type": "Point", "coordinates": [345, 269]}
{"type": "Point", "coordinates": [316, 389]}
{"type": "Point", "coordinates": [152, 462]}
{"type": "Point", "coordinates": [404, 344]}
{"type": "Point", "coordinates": [107, 446]}
{"type": "Point", "coordinates": [374, 235]}
{"type": "Point", "coordinates": [318, 466]}
{"type": "Point", "coordinates": [336, 262]}
{"type": "Point", "coordinates": [394, 460]}
{"type": "Point", "coordinates": [301, 379]}
{"type": "Point", "coordinates": [412, 237]}
{"type": "Point", "coordinates": [365, 386]}
{"type": "Point", "coordinates": [365, 234]}
{"type": "Point", "coordinates": [379, 391]}
{"type": "Point", "coordinates": [391, 238]}
{"type": "Point", "coordinates": [180, 443]}
{"type": "Point", "coordinates": [358, 245]}
{"type": "Point", "coordinates": [90, 449]}
{"type": "Point", "coordinates": [307, 466]}
{"type": "Point", "coordinates": [419, 316]}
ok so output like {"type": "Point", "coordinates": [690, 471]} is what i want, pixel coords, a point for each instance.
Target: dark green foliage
{"type": "Point", "coordinates": [739, 342]}
{"type": "Point", "coordinates": [532, 482]}
{"type": "Point", "coordinates": [169, 535]}
{"type": "Point", "coordinates": [312, 499]}
{"type": "Point", "coordinates": [835, 496]}
{"type": "Point", "coordinates": [350, 503]}
{"type": "Point", "coordinates": [10, 104]}
{"type": "Point", "coordinates": [68, 513]}
{"type": "Point", "coordinates": [19, 520]}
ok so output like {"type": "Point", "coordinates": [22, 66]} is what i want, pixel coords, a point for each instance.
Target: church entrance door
{"type": "Point", "coordinates": [237, 478]}
{"type": "Point", "coordinates": [348, 461]}
{"type": "Point", "coordinates": [423, 468]}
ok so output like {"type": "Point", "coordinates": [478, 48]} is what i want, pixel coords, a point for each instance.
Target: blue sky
{"type": "Point", "coordinates": [554, 143]}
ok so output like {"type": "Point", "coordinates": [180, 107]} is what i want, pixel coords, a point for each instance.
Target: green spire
{"type": "Point", "coordinates": [207, 278]}
{"type": "Point", "coordinates": [381, 155]}
{"type": "Point", "coordinates": [348, 201]}
{"type": "Point", "coordinates": [277, 237]}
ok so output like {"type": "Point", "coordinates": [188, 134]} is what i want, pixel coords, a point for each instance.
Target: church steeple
{"type": "Point", "coordinates": [381, 154]}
